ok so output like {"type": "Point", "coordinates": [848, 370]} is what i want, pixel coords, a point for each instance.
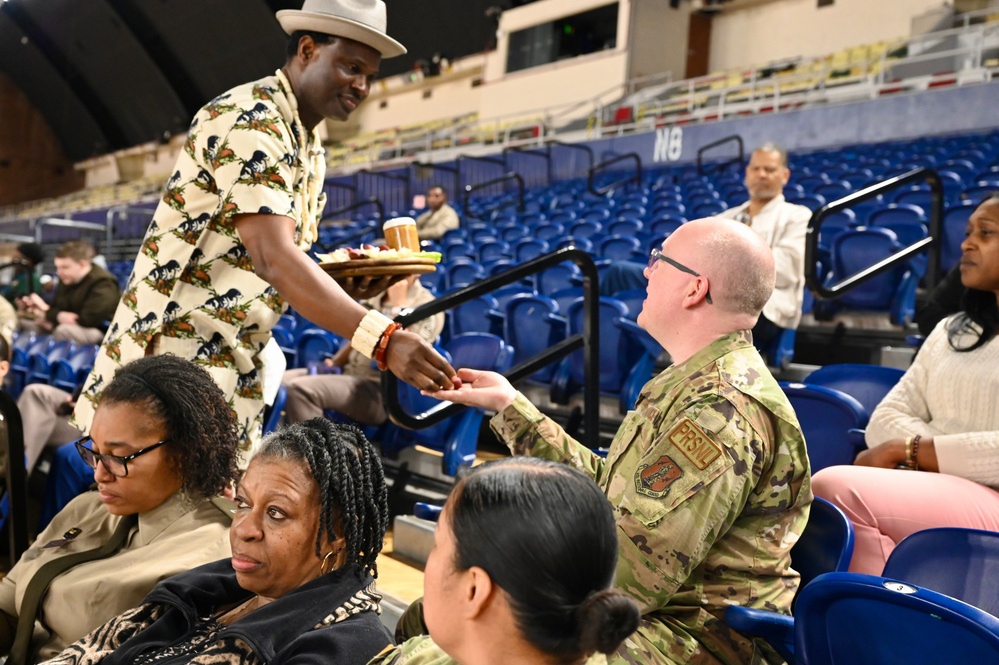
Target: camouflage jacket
{"type": "Point", "coordinates": [193, 291]}
{"type": "Point", "coordinates": [710, 482]}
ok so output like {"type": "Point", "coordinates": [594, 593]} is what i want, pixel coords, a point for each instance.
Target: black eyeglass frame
{"type": "Point", "coordinates": [656, 255]}
{"type": "Point", "coordinates": [89, 455]}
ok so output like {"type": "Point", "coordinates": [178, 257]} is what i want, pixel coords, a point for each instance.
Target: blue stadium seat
{"type": "Point", "coordinates": [853, 619]}
{"type": "Point", "coordinates": [558, 277]}
{"type": "Point", "coordinates": [314, 345]}
{"type": "Point", "coordinates": [828, 418]}
{"type": "Point", "coordinates": [892, 292]}
{"type": "Point", "coordinates": [20, 364]}
{"type": "Point", "coordinates": [481, 314]}
{"type": "Point", "coordinates": [868, 384]}
{"type": "Point", "coordinates": [962, 563]}
{"type": "Point", "coordinates": [529, 248]}
{"type": "Point", "coordinates": [533, 325]}
{"type": "Point", "coordinates": [70, 373]}
{"type": "Point", "coordinates": [621, 248]}
{"type": "Point", "coordinates": [40, 365]}
{"type": "Point", "coordinates": [462, 272]}
{"type": "Point", "coordinates": [613, 366]}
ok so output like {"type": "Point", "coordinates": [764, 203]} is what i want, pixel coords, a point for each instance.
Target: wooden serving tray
{"type": "Point", "coordinates": [378, 267]}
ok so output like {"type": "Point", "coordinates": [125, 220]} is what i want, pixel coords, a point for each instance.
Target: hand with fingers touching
{"type": "Point", "coordinates": [487, 390]}
{"type": "Point", "coordinates": [414, 360]}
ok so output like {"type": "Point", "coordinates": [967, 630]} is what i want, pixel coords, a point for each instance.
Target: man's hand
{"type": "Point", "coordinates": [363, 288]}
{"type": "Point", "coordinates": [70, 318]}
{"type": "Point", "coordinates": [487, 390]}
{"type": "Point", "coordinates": [414, 361]}
{"type": "Point", "coordinates": [887, 455]}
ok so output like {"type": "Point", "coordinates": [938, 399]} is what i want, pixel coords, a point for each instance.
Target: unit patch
{"type": "Point", "coordinates": [694, 444]}
{"type": "Point", "coordinates": [654, 479]}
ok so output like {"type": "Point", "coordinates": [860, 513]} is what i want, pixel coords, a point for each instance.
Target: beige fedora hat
{"type": "Point", "coordinates": [361, 20]}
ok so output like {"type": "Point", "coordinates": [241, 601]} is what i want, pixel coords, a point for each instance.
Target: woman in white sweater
{"type": "Point", "coordinates": [941, 419]}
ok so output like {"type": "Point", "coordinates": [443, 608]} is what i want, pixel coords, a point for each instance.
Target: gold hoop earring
{"type": "Point", "coordinates": [322, 566]}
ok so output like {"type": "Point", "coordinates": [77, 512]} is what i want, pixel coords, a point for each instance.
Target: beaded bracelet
{"type": "Point", "coordinates": [914, 461]}
{"type": "Point", "coordinates": [382, 349]}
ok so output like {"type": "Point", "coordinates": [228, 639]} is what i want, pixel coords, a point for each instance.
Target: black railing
{"type": "Point", "coordinates": [489, 183]}
{"type": "Point", "coordinates": [541, 153]}
{"type": "Point", "coordinates": [930, 244]}
{"type": "Point", "coordinates": [17, 477]}
{"type": "Point", "coordinates": [740, 160]}
{"type": "Point", "coordinates": [594, 170]}
{"type": "Point", "coordinates": [589, 341]}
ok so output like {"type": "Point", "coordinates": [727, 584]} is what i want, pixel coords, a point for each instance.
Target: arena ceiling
{"type": "Point", "coordinates": [111, 74]}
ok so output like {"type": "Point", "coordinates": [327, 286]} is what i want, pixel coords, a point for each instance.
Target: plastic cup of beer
{"type": "Point", "coordinates": [400, 233]}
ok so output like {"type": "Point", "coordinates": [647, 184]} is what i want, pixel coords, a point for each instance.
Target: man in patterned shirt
{"type": "Point", "coordinates": [708, 475]}
{"type": "Point", "coordinates": [225, 252]}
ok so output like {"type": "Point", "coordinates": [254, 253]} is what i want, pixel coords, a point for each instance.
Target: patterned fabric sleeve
{"type": "Point", "coordinates": [527, 431]}
{"type": "Point", "coordinates": [102, 641]}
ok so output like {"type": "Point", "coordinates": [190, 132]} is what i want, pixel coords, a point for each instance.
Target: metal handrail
{"type": "Point", "coordinates": [513, 175]}
{"type": "Point", "coordinates": [637, 178]}
{"type": "Point", "coordinates": [589, 341]}
{"type": "Point", "coordinates": [740, 160]}
{"type": "Point", "coordinates": [17, 477]}
{"type": "Point", "coordinates": [544, 153]}
{"type": "Point", "coordinates": [930, 243]}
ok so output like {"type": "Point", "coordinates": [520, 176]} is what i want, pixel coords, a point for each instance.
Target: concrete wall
{"type": "Point", "coordinates": [761, 34]}
{"type": "Point", "coordinates": [658, 38]}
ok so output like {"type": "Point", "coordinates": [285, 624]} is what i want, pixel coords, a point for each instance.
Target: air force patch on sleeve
{"type": "Point", "coordinates": [654, 479]}
{"type": "Point", "coordinates": [694, 444]}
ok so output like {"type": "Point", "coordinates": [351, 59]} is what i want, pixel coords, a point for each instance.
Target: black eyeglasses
{"type": "Point", "coordinates": [656, 255]}
{"type": "Point", "coordinates": [116, 466]}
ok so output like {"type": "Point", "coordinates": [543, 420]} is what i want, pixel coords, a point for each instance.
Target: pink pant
{"type": "Point", "coordinates": [886, 505]}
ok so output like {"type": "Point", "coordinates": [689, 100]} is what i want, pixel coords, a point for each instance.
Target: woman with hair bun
{"type": "Point", "coordinates": [524, 557]}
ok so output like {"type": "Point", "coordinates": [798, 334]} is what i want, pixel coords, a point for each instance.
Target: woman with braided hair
{"type": "Point", "coordinates": [311, 513]}
{"type": "Point", "coordinates": [524, 558]}
{"type": "Point", "coordinates": [162, 446]}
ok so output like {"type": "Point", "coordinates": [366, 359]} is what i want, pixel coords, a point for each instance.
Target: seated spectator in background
{"type": "Point", "coordinates": [30, 255]}
{"type": "Point", "coordinates": [311, 514]}
{"type": "Point", "coordinates": [163, 445]}
{"type": "Point", "coordinates": [783, 226]}
{"type": "Point", "coordinates": [356, 390]}
{"type": "Point", "coordinates": [943, 300]}
{"type": "Point", "coordinates": [524, 558]}
{"type": "Point", "coordinates": [84, 301]}
{"type": "Point", "coordinates": [708, 475]}
{"type": "Point", "coordinates": [940, 420]}
{"type": "Point", "coordinates": [45, 412]}
{"type": "Point", "coordinates": [440, 217]}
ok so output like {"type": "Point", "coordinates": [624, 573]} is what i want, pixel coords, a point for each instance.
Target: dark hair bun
{"type": "Point", "coordinates": [604, 619]}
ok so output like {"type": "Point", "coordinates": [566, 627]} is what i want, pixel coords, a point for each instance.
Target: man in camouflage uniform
{"type": "Point", "coordinates": [708, 475]}
{"type": "Point", "coordinates": [225, 253]}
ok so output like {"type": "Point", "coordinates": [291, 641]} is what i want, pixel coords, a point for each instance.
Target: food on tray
{"type": "Point", "coordinates": [369, 252]}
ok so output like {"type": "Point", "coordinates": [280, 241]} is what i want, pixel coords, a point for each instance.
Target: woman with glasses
{"type": "Point", "coordinates": [163, 443]}
{"type": "Point", "coordinates": [312, 509]}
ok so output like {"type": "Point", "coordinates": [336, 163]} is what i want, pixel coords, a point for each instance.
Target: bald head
{"type": "Point", "coordinates": [736, 260]}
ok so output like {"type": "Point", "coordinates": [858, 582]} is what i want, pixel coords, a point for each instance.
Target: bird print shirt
{"type": "Point", "coordinates": [193, 291]}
